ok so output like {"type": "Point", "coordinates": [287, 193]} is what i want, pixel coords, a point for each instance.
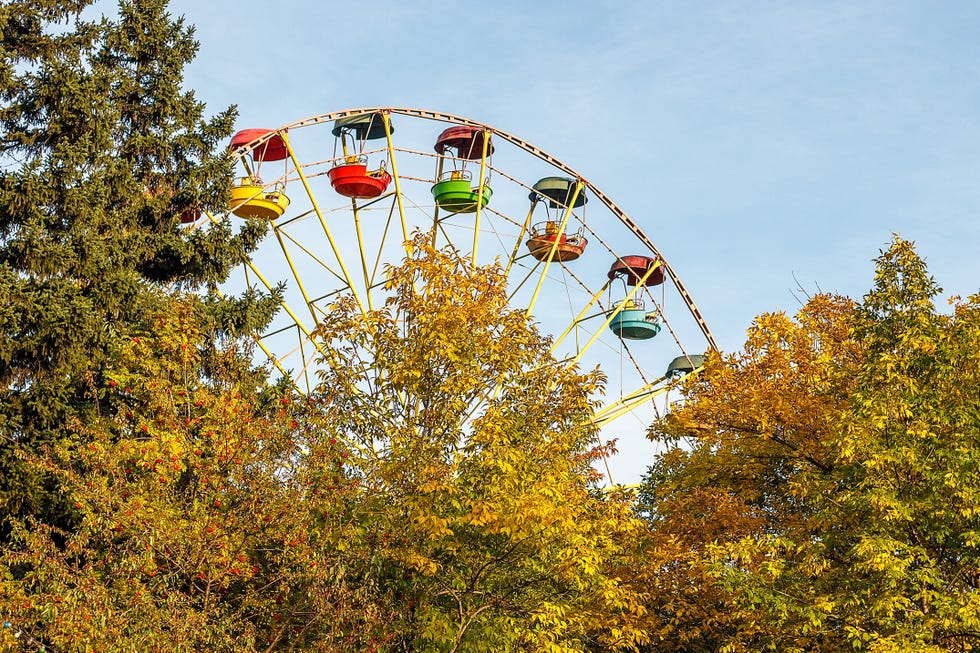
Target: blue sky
{"type": "Point", "coordinates": [757, 143]}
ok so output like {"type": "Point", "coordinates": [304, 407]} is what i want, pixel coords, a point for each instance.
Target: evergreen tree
{"type": "Point", "coordinates": [101, 151]}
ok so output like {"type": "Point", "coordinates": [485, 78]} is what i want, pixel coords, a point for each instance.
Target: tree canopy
{"type": "Point", "coordinates": [474, 447]}
{"type": "Point", "coordinates": [433, 493]}
{"type": "Point", "coordinates": [822, 488]}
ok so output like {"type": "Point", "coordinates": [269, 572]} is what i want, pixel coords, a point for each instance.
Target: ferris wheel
{"type": "Point", "coordinates": [343, 192]}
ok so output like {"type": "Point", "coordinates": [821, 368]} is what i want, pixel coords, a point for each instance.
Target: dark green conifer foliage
{"type": "Point", "coordinates": [101, 151]}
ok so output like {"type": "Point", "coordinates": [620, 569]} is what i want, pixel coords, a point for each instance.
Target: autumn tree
{"type": "Point", "coordinates": [821, 493]}
{"type": "Point", "coordinates": [434, 493]}
{"type": "Point", "coordinates": [202, 522]}
{"type": "Point", "coordinates": [101, 152]}
{"type": "Point", "coordinates": [472, 447]}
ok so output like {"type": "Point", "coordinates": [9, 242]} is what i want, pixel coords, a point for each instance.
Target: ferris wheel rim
{"type": "Point", "coordinates": [524, 145]}
{"type": "Point", "coordinates": [653, 385]}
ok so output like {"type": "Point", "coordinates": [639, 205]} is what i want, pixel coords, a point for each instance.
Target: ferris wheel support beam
{"type": "Point", "coordinates": [289, 311]}
{"type": "Point", "coordinates": [520, 238]}
{"type": "Point", "coordinates": [386, 121]}
{"type": "Point", "coordinates": [285, 307]}
{"type": "Point", "coordinates": [554, 245]}
{"type": "Point", "coordinates": [613, 313]}
{"type": "Point", "coordinates": [265, 282]}
{"type": "Point", "coordinates": [479, 196]}
{"type": "Point", "coordinates": [327, 354]}
{"type": "Point", "coordinates": [580, 316]}
{"type": "Point", "coordinates": [633, 399]}
{"type": "Point", "coordinates": [435, 211]}
{"type": "Point", "coordinates": [292, 268]}
{"type": "Point", "coordinates": [323, 222]}
{"type": "Point", "coordinates": [306, 366]}
{"type": "Point", "coordinates": [628, 403]}
{"type": "Point", "coordinates": [360, 248]}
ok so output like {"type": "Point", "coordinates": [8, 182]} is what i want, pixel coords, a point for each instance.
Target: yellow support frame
{"type": "Point", "coordinates": [360, 247]}
{"type": "Point", "coordinates": [613, 313]}
{"type": "Point", "coordinates": [580, 316]}
{"type": "Point", "coordinates": [386, 120]}
{"type": "Point", "coordinates": [323, 222]}
{"type": "Point", "coordinates": [520, 237]}
{"type": "Point", "coordinates": [554, 246]}
{"type": "Point", "coordinates": [292, 268]}
{"type": "Point", "coordinates": [479, 195]}
{"type": "Point", "coordinates": [634, 399]}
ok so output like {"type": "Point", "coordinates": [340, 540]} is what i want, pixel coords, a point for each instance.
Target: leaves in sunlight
{"type": "Point", "coordinates": [821, 489]}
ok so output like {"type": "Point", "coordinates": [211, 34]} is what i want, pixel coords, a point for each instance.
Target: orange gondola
{"type": "Point", "coordinates": [544, 235]}
{"type": "Point", "coordinates": [557, 193]}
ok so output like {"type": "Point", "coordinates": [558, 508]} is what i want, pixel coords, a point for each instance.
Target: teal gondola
{"type": "Point", "coordinates": [633, 322]}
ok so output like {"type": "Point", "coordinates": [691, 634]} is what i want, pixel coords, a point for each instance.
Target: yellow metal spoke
{"type": "Point", "coordinates": [360, 248]}
{"type": "Point", "coordinates": [479, 195]}
{"type": "Point", "coordinates": [580, 316]}
{"type": "Point", "coordinates": [323, 222]}
{"type": "Point", "coordinates": [520, 237]}
{"type": "Point", "coordinates": [292, 268]}
{"type": "Point", "coordinates": [554, 246]}
{"type": "Point", "coordinates": [386, 120]}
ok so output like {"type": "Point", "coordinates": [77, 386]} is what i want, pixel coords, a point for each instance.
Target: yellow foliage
{"type": "Point", "coordinates": [821, 492]}
{"type": "Point", "coordinates": [480, 461]}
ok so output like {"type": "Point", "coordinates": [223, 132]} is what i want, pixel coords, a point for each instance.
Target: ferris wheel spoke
{"type": "Point", "coordinates": [250, 266]}
{"type": "Point", "coordinates": [360, 249]}
{"type": "Point", "coordinates": [323, 222]}
{"type": "Point", "coordinates": [295, 218]}
{"type": "Point", "coordinates": [520, 237]}
{"type": "Point", "coordinates": [580, 317]}
{"type": "Point", "coordinates": [386, 121]}
{"type": "Point", "coordinates": [666, 322]}
{"type": "Point", "coordinates": [313, 257]}
{"type": "Point", "coordinates": [630, 403]}
{"type": "Point", "coordinates": [384, 241]}
{"type": "Point", "coordinates": [530, 273]}
{"type": "Point", "coordinates": [296, 277]}
{"type": "Point", "coordinates": [554, 245]}
{"type": "Point", "coordinates": [485, 137]}
{"type": "Point", "coordinates": [283, 304]}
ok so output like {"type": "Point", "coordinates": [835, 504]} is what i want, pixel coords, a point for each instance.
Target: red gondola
{"type": "Point", "coordinates": [351, 177]}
